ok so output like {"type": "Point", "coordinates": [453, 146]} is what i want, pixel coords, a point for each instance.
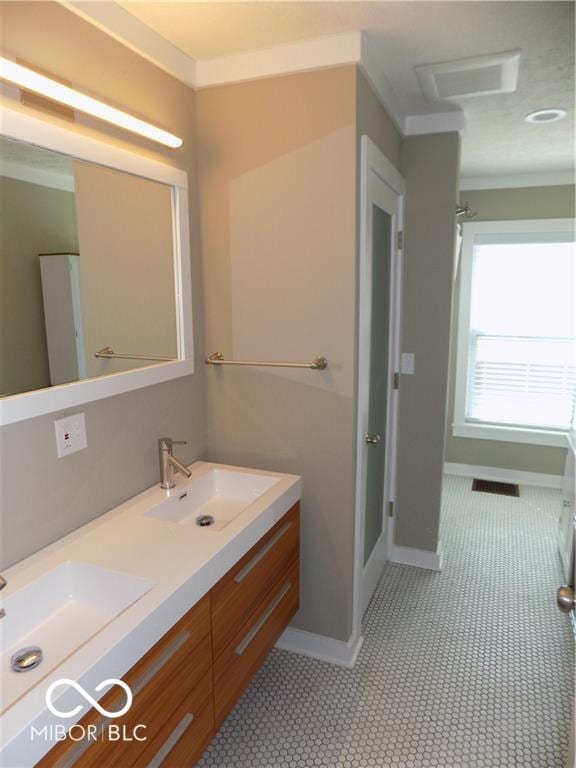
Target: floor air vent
{"type": "Point", "coordinates": [492, 486]}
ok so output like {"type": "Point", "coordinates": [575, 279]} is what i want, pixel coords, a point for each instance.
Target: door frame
{"type": "Point", "coordinates": [373, 162]}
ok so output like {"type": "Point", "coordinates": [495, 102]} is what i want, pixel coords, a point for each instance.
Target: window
{"type": "Point", "coordinates": [516, 365]}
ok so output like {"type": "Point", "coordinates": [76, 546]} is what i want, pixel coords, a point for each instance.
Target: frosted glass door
{"type": "Point", "coordinates": [378, 386]}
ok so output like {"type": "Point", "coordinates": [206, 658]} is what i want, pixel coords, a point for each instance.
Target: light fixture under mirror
{"type": "Point", "coordinates": [94, 269]}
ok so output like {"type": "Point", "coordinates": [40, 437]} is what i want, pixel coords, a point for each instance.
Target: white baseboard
{"type": "Point", "coordinates": [420, 558]}
{"type": "Point", "coordinates": [320, 647]}
{"type": "Point", "coordinates": [503, 475]}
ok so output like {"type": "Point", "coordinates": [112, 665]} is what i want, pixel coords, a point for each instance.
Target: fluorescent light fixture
{"type": "Point", "coordinates": [44, 86]}
{"type": "Point", "coordinates": [551, 115]}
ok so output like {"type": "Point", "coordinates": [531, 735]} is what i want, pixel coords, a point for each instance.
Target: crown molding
{"type": "Point", "coordinates": [117, 22]}
{"type": "Point", "coordinates": [516, 181]}
{"type": "Point", "coordinates": [301, 56]}
{"type": "Point", "coordinates": [434, 122]}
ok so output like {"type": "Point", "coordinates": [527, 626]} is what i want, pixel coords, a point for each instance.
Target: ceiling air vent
{"type": "Point", "coordinates": [464, 78]}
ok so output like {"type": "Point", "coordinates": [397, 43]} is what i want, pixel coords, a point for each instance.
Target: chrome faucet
{"type": "Point", "coordinates": [3, 583]}
{"type": "Point", "coordinates": [169, 463]}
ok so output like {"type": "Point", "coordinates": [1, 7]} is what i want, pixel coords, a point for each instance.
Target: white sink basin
{"type": "Point", "coordinates": [60, 611]}
{"type": "Point", "coordinates": [221, 493]}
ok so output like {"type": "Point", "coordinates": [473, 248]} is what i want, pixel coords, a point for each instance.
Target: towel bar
{"type": "Point", "coordinates": [318, 364]}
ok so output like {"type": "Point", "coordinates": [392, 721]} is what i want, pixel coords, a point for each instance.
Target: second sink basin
{"type": "Point", "coordinates": [221, 493]}
{"type": "Point", "coordinates": [59, 612]}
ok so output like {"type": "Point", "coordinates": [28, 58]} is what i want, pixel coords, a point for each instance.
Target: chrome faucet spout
{"type": "Point", "coordinates": [179, 467]}
{"type": "Point", "coordinates": [169, 464]}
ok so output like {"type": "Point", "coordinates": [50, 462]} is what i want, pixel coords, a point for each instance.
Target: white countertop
{"type": "Point", "coordinates": [184, 561]}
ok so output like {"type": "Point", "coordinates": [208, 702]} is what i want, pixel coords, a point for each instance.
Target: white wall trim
{"type": "Point", "coordinates": [123, 26]}
{"type": "Point", "coordinates": [471, 230]}
{"type": "Point", "coordinates": [22, 126]}
{"type": "Point", "coordinates": [419, 558]}
{"type": "Point", "coordinates": [380, 183]}
{"type": "Point", "coordinates": [321, 647]}
{"type": "Point", "coordinates": [434, 122]}
{"type": "Point", "coordinates": [514, 181]}
{"type": "Point", "coordinates": [504, 434]}
{"type": "Point", "coordinates": [503, 475]}
{"type": "Point", "coordinates": [301, 56]}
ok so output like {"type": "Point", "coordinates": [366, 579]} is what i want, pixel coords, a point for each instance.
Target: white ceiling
{"type": "Point", "coordinates": [406, 34]}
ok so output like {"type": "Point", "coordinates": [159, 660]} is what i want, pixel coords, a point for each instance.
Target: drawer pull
{"type": "Point", "coordinates": [75, 754]}
{"type": "Point", "coordinates": [241, 575]}
{"type": "Point", "coordinates": [171, 741]}
{"type": "Point", "coordinates": [239, 650]}
{"type": "Point", "coordinates": [160, 662]}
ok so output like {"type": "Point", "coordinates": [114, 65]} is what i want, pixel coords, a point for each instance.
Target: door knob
{"type": "Point", "coordinates": [566, 599]}
{"type": "Point", "coordinates": [373, 439]}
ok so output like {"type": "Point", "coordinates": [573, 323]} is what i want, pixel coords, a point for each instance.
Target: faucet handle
{"type": "Point", "coordinates": [179, 442]}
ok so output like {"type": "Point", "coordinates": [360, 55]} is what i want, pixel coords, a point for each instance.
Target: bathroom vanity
{"type": "Point", "coordinates": [214, 601]}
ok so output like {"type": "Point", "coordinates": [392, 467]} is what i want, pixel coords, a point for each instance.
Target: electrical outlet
{"type": "Point", "coordinates": [70, 434]}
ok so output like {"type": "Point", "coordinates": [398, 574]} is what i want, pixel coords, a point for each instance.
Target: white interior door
{"type": "Point", "coordinates": [379, 353]}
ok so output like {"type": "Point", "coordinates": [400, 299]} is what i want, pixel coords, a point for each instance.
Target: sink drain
{"type": "Point", "coordinates": [26, 659]}
{"type": "Point", "coordinates": [205, 520]}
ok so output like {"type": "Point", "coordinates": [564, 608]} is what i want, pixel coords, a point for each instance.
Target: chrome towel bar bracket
{"type": "Point", "coordinates": [318, 364]}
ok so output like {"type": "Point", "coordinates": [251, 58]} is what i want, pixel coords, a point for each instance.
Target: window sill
{"type": "Point", "coordinates": [511, 434]}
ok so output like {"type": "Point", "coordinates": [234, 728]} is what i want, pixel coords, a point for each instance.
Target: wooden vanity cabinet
{"type": "Point", "coordinates": [186, 685]}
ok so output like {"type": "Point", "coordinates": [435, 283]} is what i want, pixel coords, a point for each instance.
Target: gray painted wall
{"type": "Point", "coordinates": [373, 120]}
{"type": "Point", "coordinates": [495, 205]}
{"type": "Point", "coordinates": [284, 149]}
{"type": "Point", "coordinates": [281, 152]}
{"type": "Point", "coordinates": [430, 166]}
{"type": "Point", "coordinates": [42, 497]}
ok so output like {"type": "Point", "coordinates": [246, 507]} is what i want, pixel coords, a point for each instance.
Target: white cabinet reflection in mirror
{"type": "Point", "coordinates": [94, 255]}
{"type": "Point", "coordinates": [62, 295]}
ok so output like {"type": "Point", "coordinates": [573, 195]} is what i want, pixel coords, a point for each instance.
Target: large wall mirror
{"type": "Point", "coordinates": [94, 270]}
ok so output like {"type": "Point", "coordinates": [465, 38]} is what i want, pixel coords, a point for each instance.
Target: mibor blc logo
{"type": "Point", "coordinates": [99, 731]}
{"type": "Point", "coordinates": [65, 681]}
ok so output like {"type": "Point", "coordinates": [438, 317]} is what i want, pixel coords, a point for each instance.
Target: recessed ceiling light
{"type": "Point", "coordinates": [545, 116]}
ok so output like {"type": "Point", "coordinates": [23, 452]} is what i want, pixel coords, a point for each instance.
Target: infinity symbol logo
{"type": "Point", "coordinates": [85, 695]}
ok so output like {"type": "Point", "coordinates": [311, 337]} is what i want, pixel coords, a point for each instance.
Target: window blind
{"type": "Point", "coordinates": [522, 381]}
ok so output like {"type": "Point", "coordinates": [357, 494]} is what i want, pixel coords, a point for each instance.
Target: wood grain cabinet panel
{"type": "Point", "coordinates": [185, 735]}
{"type": "Point", "coordinates": [178, 660]}
{"type": "Point", "coordinates": [242, 657]}
{"type": "Point", "coordinates": [186, 685]}
{"type": "Point", "coordinates": [240, 591]}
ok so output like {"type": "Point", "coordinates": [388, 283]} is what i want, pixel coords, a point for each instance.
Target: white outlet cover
{"type": "Point", "coordinates": [408, 363]}
{"type": "Point", "coordinates": [70, 434]}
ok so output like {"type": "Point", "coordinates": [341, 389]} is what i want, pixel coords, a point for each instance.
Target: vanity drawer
{"type": "Point", "coordinates": [185, 735]}
{"type": "Point", "coordinates": [158, 681]}
{"type": "Point", "coordinates": [191, 682]}
{"type": "Point", "coordinates": [241, 658]}
{"type": "Point", "coordinates": [240, 591]}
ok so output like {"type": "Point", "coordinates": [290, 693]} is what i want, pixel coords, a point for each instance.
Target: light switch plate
{"type": "Point", "coordinates": [407, 363]}
{"type": "Point", "coordinates": [70, 434]}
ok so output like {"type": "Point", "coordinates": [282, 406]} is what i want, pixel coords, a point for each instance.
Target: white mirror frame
{"type": "Point", "coordinates": [23, 127]}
